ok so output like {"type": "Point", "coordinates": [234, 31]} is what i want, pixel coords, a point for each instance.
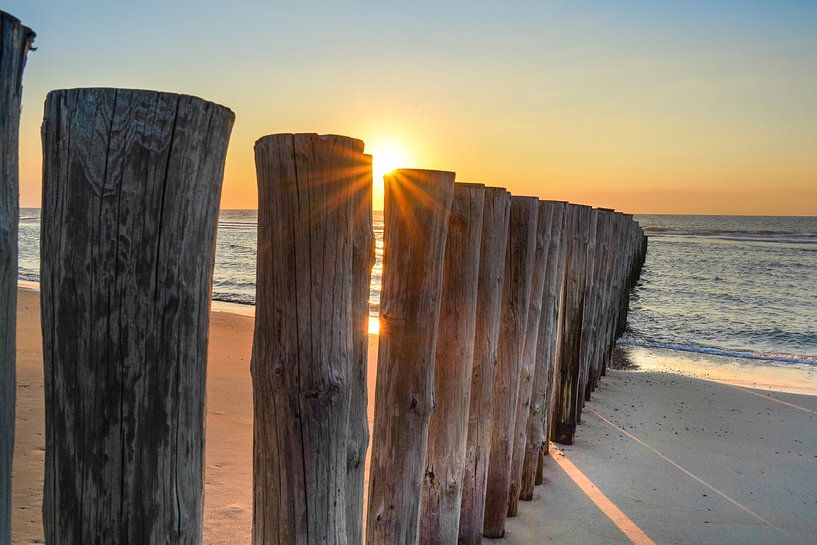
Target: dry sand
{"type": "Point", "coordinates": [691, 461]}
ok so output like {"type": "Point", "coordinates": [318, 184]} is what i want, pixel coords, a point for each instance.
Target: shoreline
{"type": "Point", "coordinates": [764, 374]}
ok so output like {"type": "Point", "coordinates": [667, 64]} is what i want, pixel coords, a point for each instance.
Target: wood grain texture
{"type": "Point", "coordinates": [492, 257]}
{"type": "Point", "coordinates": [448, 426]}
{"type": "Point", "coordinates": [530, 358]}
{"type": "Point", "coordinates": [358, 432]}
{"type": "Point", "coordinates": [567, 392]}
{"type": "Point", "coordinates": [15, 42]}
{"type": "Point", "coordinates": [601, 285]}
{"type": "Point", "coordinates": [513, 324]}
{"type": "Point", "coordinates": [304, 346]}
{"type": "Point", "coordinates": [545, 352]}
{"type": "Point", "coordinates": [416, 209]}
{"type": "Point", "coordinates": [131, 188]}
{"type": "Point", "coordinates": [588, 333]}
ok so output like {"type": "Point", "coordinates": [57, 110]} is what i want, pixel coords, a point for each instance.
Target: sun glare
{"type": "Point", "coordinates": [386, 157]}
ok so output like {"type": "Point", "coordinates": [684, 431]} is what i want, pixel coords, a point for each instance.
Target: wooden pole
{"type": "Point", "coordinates": [567, 394]}
{"type": "Point", "coordinates": [304, 346]}
{"type": "Point", "coordinates": [131, 188]}
{"type": "Point", "coordinates": [545, 352]}
{"type": "Point", "coordinates": [610, 252]}
{"type": "Point", "coordinates": [588, 332]}
{"type": "Point", "coordinates": [595, 292]}
{"type": "Point", "coordinates": [362, 261]}
{"type": "Point", "coordinates": [417, 205]}
{"type": "Point", "coordinates": [530, 360]}
{"type": "Point", "coordinates": [493, 246]}
{"type": "Point", "coordinates": [515, 297]}
{"type": "Point", "coordinates": [448, 425]}
{"type": "Point", "coordinates": [558, 339]}
{"type": "Point", "coordinates": [15, 42]}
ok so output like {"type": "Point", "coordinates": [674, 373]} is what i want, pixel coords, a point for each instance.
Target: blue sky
{"type": "Point", "coordinates": [645, 106]}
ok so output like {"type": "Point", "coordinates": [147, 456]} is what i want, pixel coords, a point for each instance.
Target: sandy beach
{"type": "Point", "coordinates": [679, 451]}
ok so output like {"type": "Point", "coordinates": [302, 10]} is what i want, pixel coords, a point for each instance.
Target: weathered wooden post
{"type": "Point", "coordinates": [558, 334]}
{"type": "Point", "coordinates": [567, 393]}
{"type": "Point", "coordinates": [606, 253]}
{"type": "Point", "coordinates": [588, 333]}
{"type": "Point", "coordinates": [515, 298]}
{"type": "Point", "coordinates": [619, 223]}
{"type": "Point", "coordinates": [610, 251]}
{"type": "Point", "coordinates": [15, 42]}
{"type": "Point", "coordinates": [417, 205]}
{"type": "Point", "coordinates": [545, 352]}
{"type": "Point", "coordinates": [131, 188]}
{"type": "Point", "coordinates": [304, 345]}
{"type": "Point", "coordinates": [594, 293]}
{"type": "Point", "coordinates": [493, 246]}
{"type": "Point", "coordinates": [448, 425]}
{"type": "Point", "coordinates": [358, 432]}
{"type": "Point", "coordinates": [530, 360]}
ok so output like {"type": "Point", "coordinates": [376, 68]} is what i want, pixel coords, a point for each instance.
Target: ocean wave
{"type": "Point", "coordinates": [710, 351]}
{"type": "Point", "coordinates": [240, 298]}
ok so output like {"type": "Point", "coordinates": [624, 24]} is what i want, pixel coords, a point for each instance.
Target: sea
{"type": "Point", "coordinates": [734, 286]}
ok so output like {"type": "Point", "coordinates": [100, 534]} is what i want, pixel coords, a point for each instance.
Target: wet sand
{"type": "Point", "coordinates": [685, 460]}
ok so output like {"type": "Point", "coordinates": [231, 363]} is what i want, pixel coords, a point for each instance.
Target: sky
{"type": "Point", "coordinates": [647, 107]}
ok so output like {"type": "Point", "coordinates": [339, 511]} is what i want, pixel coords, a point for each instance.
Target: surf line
{"type": "Point", "coordinates": [690, 474]}
{"type": "Point", "coordinates": [770, 398]}
{"type": "Point", "coordinates": [611, 511]}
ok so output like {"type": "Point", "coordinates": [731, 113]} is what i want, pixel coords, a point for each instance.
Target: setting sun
{"type": "Point", "coordinates": [387, 155]}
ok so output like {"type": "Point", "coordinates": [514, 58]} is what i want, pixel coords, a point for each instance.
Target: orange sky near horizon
{"type": "Point", "coordinates": [645, 109]}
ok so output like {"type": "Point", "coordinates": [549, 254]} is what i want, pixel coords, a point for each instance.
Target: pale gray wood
{"type": "Point", "coordinates": [131, 188]}
{"type": "Point", "coordinates": [15, 42]}
{"type": "Point", "coordinates": [416, 207]}
{"type": "Point", "coordinates": [448, 426]}
{"type": "Point", "coordinates": [566, 394]}
{"type": "Point", "coordinates": [358, 433]}
{"type": "Point", "coordinates": [603, 260]}
{"type": "Point", "coordinates": [304, 343]}
{"type": "Point", "coordinates": [493, 246]}
{"type": "Point", "coordinates": [545, 351]}
{"type": "Point", "coordinates": [530, 360]}
{"type": "Point", "coordinates": [557, 335]}
{"type": "Point", "coordinates": [588, 333]}
{"type": "Point", "coordinates": [513, 322]}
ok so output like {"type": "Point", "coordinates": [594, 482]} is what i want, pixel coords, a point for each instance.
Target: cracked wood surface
{"type": "Point", "coordinates": [417, 205]}
{"type": "Point", "coordinates": [493, 246]}
{"type": "Point", "coordinates": [15, 42]}
{"type": "Point", "coordinates": [305, 345]}
{"type": "Point", "coordinates": [131, 188]}
{"type": "Point", "coordinates": [441, 492]}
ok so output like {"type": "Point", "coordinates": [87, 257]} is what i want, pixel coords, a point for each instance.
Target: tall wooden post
{"type": "Point", "coordinates": [493, 246]}
{"type": "Point", "coordinates": [603, 258]}
{"type": "Point", "coordinates": [15, 42]}
{"type": "Point", "coordinates": [131, 188]}
{"type": "Point", "coordinates": [417, 205]}
{"type": "Point", "coordinates": [304, 345]}
{"type": "Point", "coordinates": [566, 395]}
{"type": "Point", "coordinates": [558, 339]}
{"type": "Point", "coordinates": [588, 313]}
{"type": "Point", "coordinates": [515, 298]}
{"type": "Point", "coordinates": [530, 360]}
{"type": "Point", "coordinates": [545, 352]}
{"type": "Point", "coordinates": [448, 425]}
{"type": "Point", "coordinates": [358, 432]}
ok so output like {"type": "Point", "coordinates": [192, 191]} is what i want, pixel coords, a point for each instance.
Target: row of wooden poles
{"type": "Point", "coordinates": [498, 317]}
